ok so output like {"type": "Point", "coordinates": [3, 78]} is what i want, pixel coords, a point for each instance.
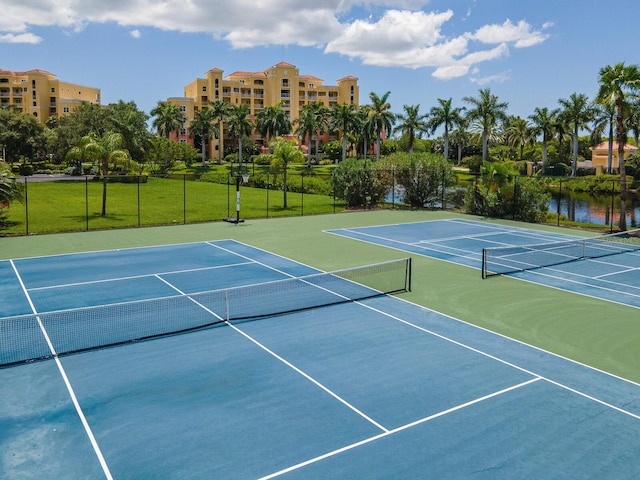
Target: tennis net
{"type": "Point", "coordinates": [53, 334]}
{"type": "Point", "coordinates": [517, 258]}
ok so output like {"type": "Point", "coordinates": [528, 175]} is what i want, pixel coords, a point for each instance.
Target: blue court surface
{"type": "Point", "coordinates": [377, 388]}
{"type": "Point", "coordinates": [615, 278]}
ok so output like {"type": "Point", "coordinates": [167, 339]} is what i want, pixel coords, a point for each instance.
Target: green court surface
{"type": "Point", "coordinates": [598, 333]}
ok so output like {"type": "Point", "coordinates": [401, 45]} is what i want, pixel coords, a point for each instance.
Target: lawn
{"type": "Point", "coordinates": [76, 205]}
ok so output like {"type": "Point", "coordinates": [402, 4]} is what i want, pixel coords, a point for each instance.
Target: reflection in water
{"type": "Point", "coordinates": [595, 209]}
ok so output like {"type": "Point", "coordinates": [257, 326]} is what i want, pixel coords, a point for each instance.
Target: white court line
{"type": "Point", "coordinates": [396, 430]}
{"type": "Point", "coordinates": [72, 394]}
{"type": "Point", "coordinates": [286, 362]}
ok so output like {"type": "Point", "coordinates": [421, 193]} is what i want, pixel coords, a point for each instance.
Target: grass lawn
{"type": "Point", "coordinates": [76, 205]}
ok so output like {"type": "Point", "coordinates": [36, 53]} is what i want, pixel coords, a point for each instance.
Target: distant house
{"type": "Point", "coordinates": [601, 153]}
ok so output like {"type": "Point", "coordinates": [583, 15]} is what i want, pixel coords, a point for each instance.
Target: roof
{"type": "Point", "coordinates": [284, 64]}
{"type": "Point", "coordinates": [311, 77]}
{"type": "Point", "coordinates": [348, 77]}
{"type": "Point", "coordinates": [247, 74]}
{"type": "Point", "coordinates": [24, 74]}
{"type": "Point", "coordinates": [605, 146]}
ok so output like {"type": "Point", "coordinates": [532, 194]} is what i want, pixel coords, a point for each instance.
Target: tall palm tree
{"type": "Point", "coordinates": [381, 117]}
{"type": "Point", "coordinates": [305, 126]}
{"type": "Point", "coordinates": [617, 83]}
{"type": "Point", "coordinates": [577, 113]}
{"type": "Point", "coordinates": [634, 119]}
{"type": "Point", "coordinates": [107, 151]}
{"type": "Point", "coordinates": [284, 153]}
{"type": "Point", "coordinates": [519, 133]}
{"type": "Point", "coordinates": [202, 126]}
{"type": "Point", "coordinates": [363, 127]}
{"type": "Point", "coordinates": [604, 119]}
{"type": "Point", "coordinates": [273, 121]}
{"type": "Point", "coordinates": [240, 125]}
{"type": "Point", "coordinates": [220, 111]}
{"type": "Point", "coordinates": [544, 121]}
{"type": "Point", "coordinates": [447, 116]}
{"type": "Point", "coordinates": [168, 118]}
{"type": "Point", "coordinates": [342, 120]}
{"type": "Point", "coordinates": [487, 111]}
{"type": "Point", "coordinates": [412, 124]}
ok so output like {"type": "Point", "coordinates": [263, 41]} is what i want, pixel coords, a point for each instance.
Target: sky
{"type": "Point", "coordinates": [530, 53]}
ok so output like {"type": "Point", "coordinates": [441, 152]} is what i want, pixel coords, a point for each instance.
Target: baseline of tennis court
{"type": "Point", "coordinates": [615, 278]}
{"type": "Point", "coordinates": [376, 388]}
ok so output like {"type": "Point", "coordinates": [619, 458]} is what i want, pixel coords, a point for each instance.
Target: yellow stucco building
{"type": "Point", "coordinates": [601, 153]}
{"type": "Point", "coordinates": [281, 82]}
{"type": "Point", "coordinates": [41, 94]}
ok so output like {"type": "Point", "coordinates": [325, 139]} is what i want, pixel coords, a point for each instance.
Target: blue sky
{"type": "Point", "coordinates": [528, 52]}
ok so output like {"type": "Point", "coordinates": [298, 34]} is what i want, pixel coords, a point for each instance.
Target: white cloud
{"type": "Point", "coordinates": [395, 33]}
{"type": "Point", "coordinates": [499, 78]}
{"type": "Point", "coordinates": [20, 38]}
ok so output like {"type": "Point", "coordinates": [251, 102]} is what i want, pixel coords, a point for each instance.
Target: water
{"type": "Point", "coordinates": [595, 209]}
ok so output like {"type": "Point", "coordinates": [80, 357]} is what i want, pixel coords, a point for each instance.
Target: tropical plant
{"type": "Point", "coordinates": [444, 115]}
{"type": "Point", "coordinates": [617, 83]}
{"type": "Point", "coordinates": [543, 124]}
{"type": "Point", "coordinates": [312, 120]}
{"type": "Point", "coordinates": [131, 123]}
{"type": "Point", "coordinates": [577, 113]}
{"type": "Point", "coordinates": [21, 135]}
{"type": "Point", "coordinates": [240, 125]}
{"type": "Point", "coordinates": [342, 120]}
{"type": "Point", "coordinates": [363, 128]}
{"type": "Point", "coordinates": [359, 184]}
{"type": "Point", "coordinates": [486, 111]}
{"type": "Point", "coordinates": [220, 111]}
{"type": "Point", "coordinates": [167, 118]}
{"type": "Point", "coordinates": [273, 121]}
{"type": "Point", "coordinates": [604, 119]}
{"type": "Point", "coordinates": [107, 153]}
{"type": "Point", "coordinates": [202, 126]}
{"type": "Point", "coordinates": [285, 152]}
{"type": "Point", "coordinates": [381, 117]}
{"type": "Point", "coordinates": [412, 124]}
{"type": "Point", "coordinates": [519, 133]}
{"type": "Point", "coordinates": [10, 190]}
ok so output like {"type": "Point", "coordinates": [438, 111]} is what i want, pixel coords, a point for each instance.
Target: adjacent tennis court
{"type": "Point", "coordinates": [606, 267]}
{"type": "Point", "coordinates": [347, 383]}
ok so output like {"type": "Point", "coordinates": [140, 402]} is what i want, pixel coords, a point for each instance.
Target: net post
{"type": "Point", "coordinates": [484, 263]}
{"type": "Point", "coordinates": [409, 273]}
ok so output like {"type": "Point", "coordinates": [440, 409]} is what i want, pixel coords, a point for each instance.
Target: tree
{"type": "Point", "coordinates": [284, 153]}
{"type": "Point", "coordinates": [448, 117]}
{"type": "Point", "coordinates": [412, 124]}
{"type": "Point", "coordinates": [342, 120]}
{"type": "Point", "coordinates": [221, 112]}
{"type": "Point", "coordinates": [273, 121]}
{"type": "Point", "coordinates": [21, 135]}
{"type": "Point", "coordinates": [577, 113]}
{"type": "Point", "coordinates": [617, 83]}
{"type": "Point", "coordinates": [487, 111]}
{"type": "Point", "coordinates": [131, 123]}
{"type": "Point", "coordinates": [543, 121]}
{"type": "Point", "coordinates": [604, 119]}
{"type": "Point", "coordinates": [203, 127]}
{"type": "Point", "coordinates": [519, 133]}
{"type": "Point", "coordinates": [240, 125]}
{"type": "Point", "coordinates": [168, 118]}
{"type": "Point", "coordinates": [312, 119]}
{"type": "Point", "coordinates": [381, 117]}
{"type": "Point", "coordinates": [107, 152]}
{"type": "Point", "coordinates": [363, 128]}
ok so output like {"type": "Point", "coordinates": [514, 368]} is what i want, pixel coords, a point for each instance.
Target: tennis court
{"type": "Point", "coordinates": [556, 261]}
{"type": "Point", "coordinates": [378, 387]}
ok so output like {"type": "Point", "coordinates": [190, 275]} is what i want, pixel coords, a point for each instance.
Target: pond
{"type": "Point", "coordinates": [595, 209]}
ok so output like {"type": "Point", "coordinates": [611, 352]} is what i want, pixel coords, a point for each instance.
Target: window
{"type": "Point", "coordinates": [285, 82]}
{"type": "Point", "coordinates": [65, 109]}
{"type": "Point", "coordinates": [216, 83]}
{"type": "Point", "coordinates": [204, 88]}
{"type": "Point", "coordinates": [183, 108]}
{"type": "Point", "coordinates": [53, 89]}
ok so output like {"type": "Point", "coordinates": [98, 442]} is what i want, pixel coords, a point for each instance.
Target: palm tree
{"type": "Point", "coordinates": [487, 111]}
{"type": "Point", "coordinates": [519, 133]}
{"type": "Point", "coordinates": [273, 121]}
{"type": "Point", "coordinates": [220, 111]}
{"type": "Point", "coordinates": [543, 121]}
{"type": "Point", "coordinates": [577, 113]}
{"type": "Point", "coordinates": [444, 115]}
{"type": "Point", "coordinates": [285, 152]}
{"type": "Point", "coordinates": [634, 119]}
{"type": "Point", "coordinates": [363, 127]}
{"type": "Point", "coordinates": [168, 118]}
{"type": "Point", "coordinates": [604, 119]}
{"type": "Point", "coordinates": [312, 119]}
{"type": "Point", "coordinates": [381, 117]}
{"type": "Point", "coordinates": [240, 125]}
{"type": "Point", "coordinates": [412, 124]}
{"type": "Point", "coordinates": [342, 120]}
{"type": "Point", "coordinates": [617, 83]}
{"type": "Point", "coordinates": [202, 126]}
{"type": "Point", "coordinates": [107, 151]}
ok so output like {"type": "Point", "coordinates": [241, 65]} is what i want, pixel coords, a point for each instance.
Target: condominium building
{"type": "Point", "coordinates": [42, 95]}
{"type": "Point", "coordinates": [280, 83]}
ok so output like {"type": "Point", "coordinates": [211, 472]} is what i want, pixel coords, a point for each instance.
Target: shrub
{"type": "Point", "coordinates": [359, 184]}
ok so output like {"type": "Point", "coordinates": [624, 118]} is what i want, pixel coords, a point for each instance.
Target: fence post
{"type": "Point", "coordinates": [86, 203]}
{"type": "Point", "coordinates": [139, 201]}
{"type": "Point", "coordinates": [613, 193]}
{"type": "Point", "coordinates": [558, 202]}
